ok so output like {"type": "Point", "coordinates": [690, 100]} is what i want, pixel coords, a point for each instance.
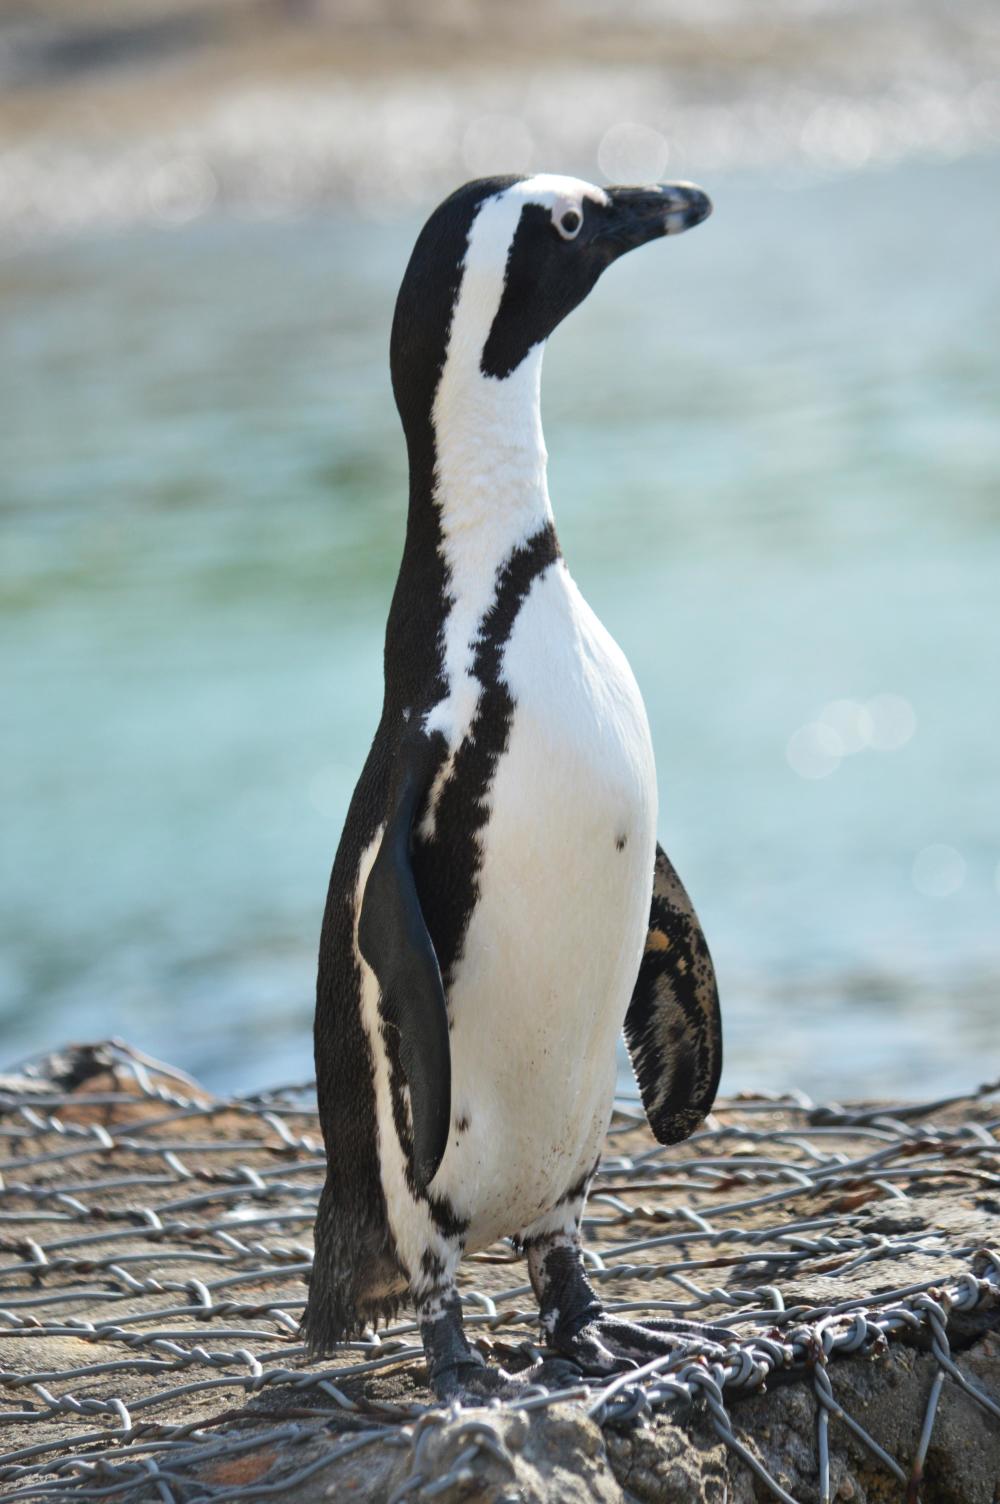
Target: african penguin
{"type": "Point", "coordinates": [498, 907]}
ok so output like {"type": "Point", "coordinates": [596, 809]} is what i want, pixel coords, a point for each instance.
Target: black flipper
{"type": "Point", "coordinates": [394, 940]}
{"type": "Point", "coordinates": [673, 1028]}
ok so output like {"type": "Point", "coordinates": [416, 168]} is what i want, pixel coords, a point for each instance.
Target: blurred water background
{"type": "Point", "coordinates": [775, 465]}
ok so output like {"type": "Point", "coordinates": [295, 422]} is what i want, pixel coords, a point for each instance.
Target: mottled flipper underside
{"type": "Point", "coordinates": [394, 940]}
{"type": "Point", "coordinates": [673, 1028]}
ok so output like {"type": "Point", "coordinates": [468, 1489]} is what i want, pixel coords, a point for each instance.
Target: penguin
{"type": "Point", "coordinates": [499, 909]}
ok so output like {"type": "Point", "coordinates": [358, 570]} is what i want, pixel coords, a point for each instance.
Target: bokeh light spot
{"type": "Point", "coordinates": [938, 871]}
{"type": "Point", "coordinates": [893, 722]}
{"type": "Point", "coordinates": [814, 750]}
{"type": "Point", "coordinates": [851, 721]}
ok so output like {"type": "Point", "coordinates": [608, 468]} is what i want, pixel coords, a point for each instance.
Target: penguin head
{"type": "Point", "coordinates": [566, 233]}
{"type": "Point", "coordinates": [502, 262]}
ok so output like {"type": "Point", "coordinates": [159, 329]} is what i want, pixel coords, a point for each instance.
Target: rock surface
{"type": "Point", "coordinates": [154, 1244]}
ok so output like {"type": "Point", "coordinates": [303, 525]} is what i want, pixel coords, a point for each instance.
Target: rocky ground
{"type": "Point", "coordinates": [154, 1244]}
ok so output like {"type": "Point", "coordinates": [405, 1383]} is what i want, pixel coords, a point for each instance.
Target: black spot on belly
{"type": "Point", "coordinates": [462, 1123]}
{"type": "Point", "coordinates": [621, 843]}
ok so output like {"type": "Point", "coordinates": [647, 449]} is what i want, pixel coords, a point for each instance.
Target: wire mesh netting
{"type": "Point", "coordinates": [155, 1244]}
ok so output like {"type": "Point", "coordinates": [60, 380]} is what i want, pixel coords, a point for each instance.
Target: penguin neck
{"type": "Point", "coordinates": [478, 492]}
{"type": "Point", "coordinates": [492, 499]}
{"type": "Point", "coordinates": [490, 473]}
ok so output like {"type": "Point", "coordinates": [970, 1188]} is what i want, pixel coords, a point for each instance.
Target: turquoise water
{"type": "Point", "coordinates": [775, 464]}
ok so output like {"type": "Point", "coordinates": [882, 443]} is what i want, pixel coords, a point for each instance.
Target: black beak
{"type": "Point", "coordinates": [636, 215]}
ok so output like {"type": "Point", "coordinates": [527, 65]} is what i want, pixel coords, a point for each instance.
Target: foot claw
{"type": "Point", "coordinates": [693, 1331]}
{"type": "Point", "coordinates": [471, 1384]}
{"type": "Point", "coordinates": [609, 1344]}
{"type": "Point", "coordinates": [551, 1374]}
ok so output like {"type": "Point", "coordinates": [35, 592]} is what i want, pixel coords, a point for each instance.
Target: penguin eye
{"type": "Point", "coordinates": [568, 224]}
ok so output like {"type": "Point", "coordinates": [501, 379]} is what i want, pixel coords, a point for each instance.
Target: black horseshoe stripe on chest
{"type": "Point", "coordinates": [447, 866]}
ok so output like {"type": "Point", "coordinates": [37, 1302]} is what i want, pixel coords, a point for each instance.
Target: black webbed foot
{"type": "Point", "coordinates": [459, 1375]}
{"type": "Point", "coordinates": [578, 1327]}
{"type": "Point", "coordinates": [608, 1344]}
{"type": "Point", "coordinates": [470, 1383]}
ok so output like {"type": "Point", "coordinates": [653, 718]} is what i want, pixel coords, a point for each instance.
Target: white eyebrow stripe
{"type": "Point", "coordinates": [545, 187]}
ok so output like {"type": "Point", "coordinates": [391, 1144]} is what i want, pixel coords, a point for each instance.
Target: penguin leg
{"type": "Point", "coordinates": [576, 1324]}
{"type": "Point", "coordinates": [458, 1373]}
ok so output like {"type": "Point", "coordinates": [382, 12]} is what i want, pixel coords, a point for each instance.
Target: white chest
{"type": "Point", "coordinates": [554, 942]}
{"type": "Point", "coordinates": [577, 783]}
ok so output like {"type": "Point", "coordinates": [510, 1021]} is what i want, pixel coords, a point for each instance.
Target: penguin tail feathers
{"type": "Point", "coordinates": [328, 1321]}
{"type": "Point", "coordinates": [356, 1279]}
